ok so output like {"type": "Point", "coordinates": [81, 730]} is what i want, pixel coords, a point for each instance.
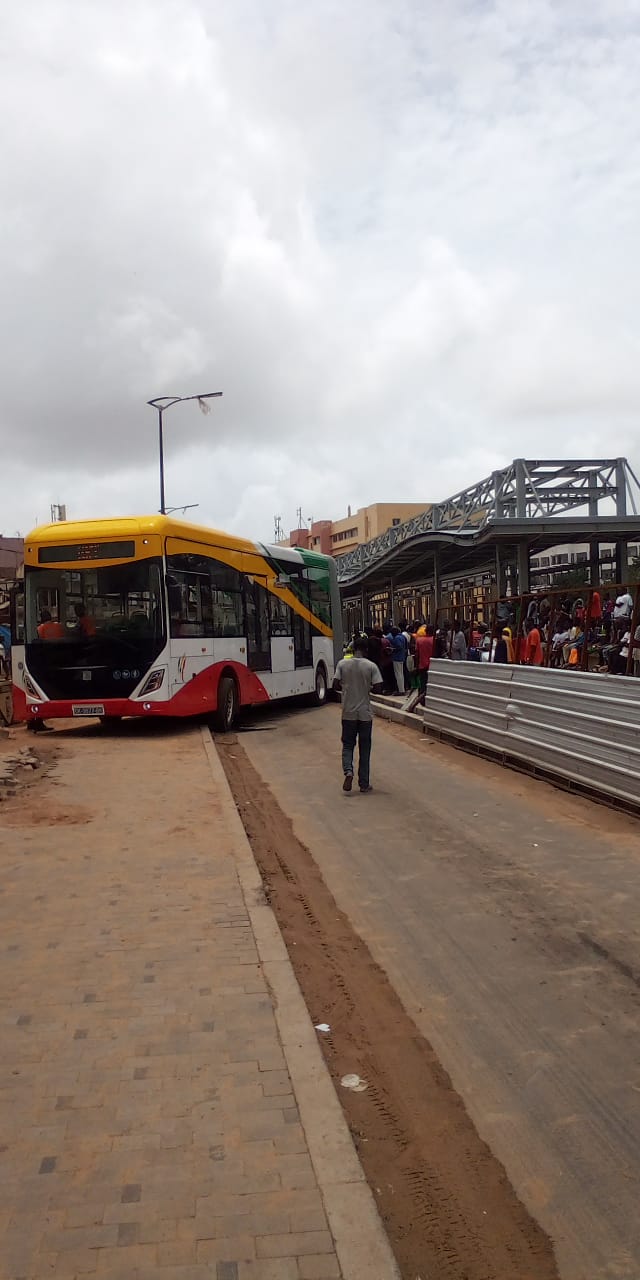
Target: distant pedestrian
{"type": "Point", "coordinates": [622, 611]}
{"type": "Point", "coordinates": [386, 664]}
{"type": "Point", "coordinates": [399, 656]}
{"type": "Point", "coordinates": [423, 655]}
{"type": "Point", "coordinates": [375, 647]}
{"type": "Point", "coordinates": [357, 679]}
{"type": "Point", "coordinates": [459, 643]}
{"type": "Point", "coordinates": [5, 652]}
{"type": "Point", "coordinates": [441, 643]}
{"type": "Point", "coordinates": [595, 611]}
{"type": "Point", "coordinates": [504, 648]}
{"type": "Point", "coordinates": [573, 650]}
{"type": "Point", "coordinates": [533, 653]}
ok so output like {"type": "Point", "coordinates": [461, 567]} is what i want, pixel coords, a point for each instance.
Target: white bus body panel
{"type": "Point", "coordinates": [190, 656]}
{"type": "Point", "coordinates": [323, 651]}
{"type": "Point", "coordinates": [282, 654]}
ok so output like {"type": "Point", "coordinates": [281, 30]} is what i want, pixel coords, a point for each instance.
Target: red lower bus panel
{"type": "Point", "coordinates": [196, 697]}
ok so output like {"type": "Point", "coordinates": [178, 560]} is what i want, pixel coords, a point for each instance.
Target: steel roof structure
{"type": "Point", "coordinates": [528, 506]}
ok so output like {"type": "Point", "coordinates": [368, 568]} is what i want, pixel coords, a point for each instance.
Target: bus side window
{"type": "Point", "coordinates": [319, 593]}
{"type": "Point", "coordinates": [189, 591]}
{"type": "Point", "coordinates": [280, 619]}
{"type": "Point", "coordinates": [226, 600]}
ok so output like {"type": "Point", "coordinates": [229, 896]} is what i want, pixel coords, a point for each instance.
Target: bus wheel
{"type": "Point", "coordinates": [321, 690]}
{"type": "Point", "coordinates": [227, 704]}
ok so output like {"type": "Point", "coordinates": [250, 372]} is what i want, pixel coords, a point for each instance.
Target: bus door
{"type": "Point", "coordinates": [256, 603]}
{"type": "Point", "coordinates": [281, 632]}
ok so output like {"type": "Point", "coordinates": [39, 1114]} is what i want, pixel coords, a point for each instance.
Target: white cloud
{"type": "Point", "coordinates": [400, 237]}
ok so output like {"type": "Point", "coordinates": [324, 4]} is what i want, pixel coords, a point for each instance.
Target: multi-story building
{"type": "Point", "coordinates": [562, 559]}
{"type": "Point", "coordinates": [11, 561]}
{"type": "Point", "coordinates": [11, 556]}
{"type": "Point", "coordinates": [336, 537]}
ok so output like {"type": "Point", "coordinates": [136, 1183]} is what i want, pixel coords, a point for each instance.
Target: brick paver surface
{"type": "Point", "coordinates": [149, 1128]}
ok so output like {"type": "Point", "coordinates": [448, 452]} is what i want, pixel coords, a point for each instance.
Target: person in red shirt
{"type": "Point", "coordinates": [595, 611]}
{"type": "Point", "coordinates": [533, 653]}
{"type": "Point", "coordinates": [85, 624]}
{"type": "Point", "coordinates": [424, 654]}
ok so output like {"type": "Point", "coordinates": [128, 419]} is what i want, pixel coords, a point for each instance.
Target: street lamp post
{"type": "Point", "coordinates": [165, 402]}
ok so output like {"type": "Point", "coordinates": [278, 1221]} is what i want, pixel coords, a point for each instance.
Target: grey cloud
{"type": "Point", "coordinates": [404, 228]}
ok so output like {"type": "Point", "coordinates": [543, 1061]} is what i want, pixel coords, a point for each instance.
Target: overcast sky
{"type": "Point", "coordinates": [401, 236]}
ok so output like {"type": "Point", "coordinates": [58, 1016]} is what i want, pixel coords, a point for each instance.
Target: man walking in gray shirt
{"type": "Point", "coordinates": [357, 678]}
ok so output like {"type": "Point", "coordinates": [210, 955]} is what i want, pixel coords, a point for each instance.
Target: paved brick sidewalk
{"type": "Point", "coordinates": [149, 1127]}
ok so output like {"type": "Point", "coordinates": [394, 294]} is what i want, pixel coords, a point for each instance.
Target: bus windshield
{"type": "Point", "coordinates": [94, 632]}
{"type": "Point", "coordinates": [120, 600]}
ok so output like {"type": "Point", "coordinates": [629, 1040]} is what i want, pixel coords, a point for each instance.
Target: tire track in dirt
{"type": "Point", "coordinates": [446, 1202]}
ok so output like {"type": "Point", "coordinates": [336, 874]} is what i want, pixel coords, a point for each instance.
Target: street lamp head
{"type": "Point", "coordinates": [165, 402]}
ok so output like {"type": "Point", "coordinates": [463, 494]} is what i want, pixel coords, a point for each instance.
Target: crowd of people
{"type": "Point", "coordinates": [552, 633]}
{"type": "Point", "coordinates": [555, 633]}
{"type": "Point", "coordinates": [403, 653]}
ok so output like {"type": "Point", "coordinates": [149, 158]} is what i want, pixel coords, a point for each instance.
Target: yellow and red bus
{"type": "Point", "coordinates": [150, 615]}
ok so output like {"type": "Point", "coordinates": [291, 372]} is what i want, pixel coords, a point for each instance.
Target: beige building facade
{"type": "Point", "coordinates": [336, 537]}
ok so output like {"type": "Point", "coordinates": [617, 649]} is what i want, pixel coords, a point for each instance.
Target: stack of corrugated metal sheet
{"type": "Point", "coordinates": [582, 727]}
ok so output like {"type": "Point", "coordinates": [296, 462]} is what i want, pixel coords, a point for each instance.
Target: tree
{"type": "Point", "coordinates": [577, 577]}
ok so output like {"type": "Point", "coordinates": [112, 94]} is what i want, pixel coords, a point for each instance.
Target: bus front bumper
{"type": "Point", "coordinates": [109, 707]}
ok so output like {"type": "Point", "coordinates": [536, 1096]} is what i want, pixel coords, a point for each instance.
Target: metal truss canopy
{"type": "Point", "coordinates": [526, 490]}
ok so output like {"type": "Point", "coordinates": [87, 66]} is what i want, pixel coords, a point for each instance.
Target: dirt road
{"type": "Point", "coordinates": [505, 915]}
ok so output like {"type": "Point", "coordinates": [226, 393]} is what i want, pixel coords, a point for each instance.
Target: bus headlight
{"type": "Point", "coordinates": [30, 687]}
{"type": "Point", "coordinates": [153, 682]}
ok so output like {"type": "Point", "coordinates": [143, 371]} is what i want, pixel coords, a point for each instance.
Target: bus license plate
{"type": "Point", "coordinates": [87, 709]}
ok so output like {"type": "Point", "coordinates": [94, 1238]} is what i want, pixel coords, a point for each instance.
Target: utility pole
{"type": "Point", "coordinates": [165, 402]}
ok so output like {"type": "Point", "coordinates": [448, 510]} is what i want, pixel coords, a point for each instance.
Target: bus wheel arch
{"type": "Point", "coordinates": [228, 701]}
{"type": "Point", "coordinates": [321, 688]}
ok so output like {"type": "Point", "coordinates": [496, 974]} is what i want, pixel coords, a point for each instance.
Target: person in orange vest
{"type": "Point", "coordinates": [533, 653]}
{"type": "Point", "coordinates": [86, 625]}
{"type": "Point", "coordinates": [48, 629]}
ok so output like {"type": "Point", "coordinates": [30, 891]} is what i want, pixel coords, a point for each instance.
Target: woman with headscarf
{"type": "Point", "coordinates": [504, 651]}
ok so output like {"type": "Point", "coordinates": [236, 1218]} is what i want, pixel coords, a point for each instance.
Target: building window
{"type": "Point", "coordinates": [395, 521]}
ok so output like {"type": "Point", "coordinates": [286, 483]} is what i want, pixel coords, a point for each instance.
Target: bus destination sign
{"type": "Point", "coordinates": [83, 551]}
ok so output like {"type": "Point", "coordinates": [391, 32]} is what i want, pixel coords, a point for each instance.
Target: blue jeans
{"type": "Point", "coordinates": [357, 731]}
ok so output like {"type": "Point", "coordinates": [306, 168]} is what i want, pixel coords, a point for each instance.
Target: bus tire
{"type": "Point", "coordinates": [321, 691]}
{"type": "Point", "coordinates": [227, 710]}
